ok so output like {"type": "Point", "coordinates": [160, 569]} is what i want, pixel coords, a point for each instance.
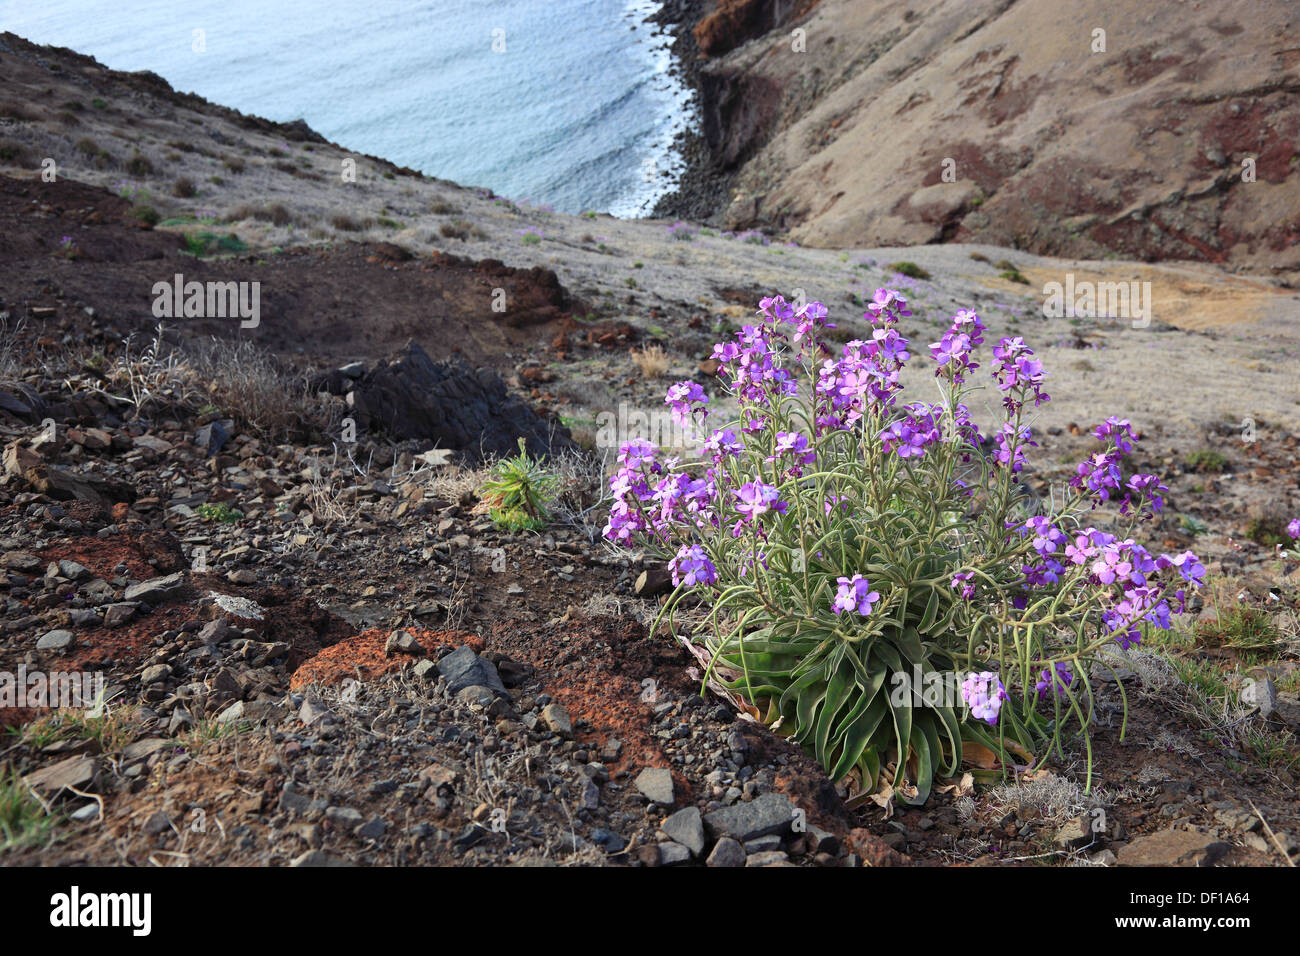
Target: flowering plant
{"type": "Point", "coordinates": [849, 546]}
{"type": "Point", "coordinates": [1293, 532]}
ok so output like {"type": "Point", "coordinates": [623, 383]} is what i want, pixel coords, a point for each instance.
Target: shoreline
{"type": "Point", "coordinates": [702, 189]}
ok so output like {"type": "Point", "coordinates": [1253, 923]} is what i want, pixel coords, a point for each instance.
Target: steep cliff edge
{"type": "Point", "coordinates": [1155, 132]}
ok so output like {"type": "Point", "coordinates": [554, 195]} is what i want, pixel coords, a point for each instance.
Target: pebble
{"type": "Point", "coordinates": [656, 784]}
{"type": "Point", "coordinates": [727, 852]}
{"type": "Point", "coordinates": [56, 641]}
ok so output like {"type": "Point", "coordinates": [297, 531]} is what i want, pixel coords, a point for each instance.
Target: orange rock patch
{"type": "Point", "coordinates": [362, 656]}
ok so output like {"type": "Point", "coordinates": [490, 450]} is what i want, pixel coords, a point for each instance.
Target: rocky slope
{"type": "Point", "coordinates": [320, 650]}
{"type": "Point", "coordinates": [1007, 122]}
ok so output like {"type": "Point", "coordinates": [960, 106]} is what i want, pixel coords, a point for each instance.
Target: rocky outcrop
{"type": "Point", "coordinates": [446, 403]}
{"type": "Point", "coordinates": [732, 22]}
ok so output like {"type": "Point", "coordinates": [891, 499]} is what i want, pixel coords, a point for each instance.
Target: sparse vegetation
{"type": "Point", "coordinates": [254, 389]}
{"type": "Point", "coordinates": [651, 360]}
{"type": "Point", "coordinates": [1268, 530]}
{"type": "Point", "coordinates": [1206, 460]}
{"type": "Point", "coordinates": [13, 152]}
{"type": "Point", "coordinates": [24, 820]}
{"type": "Point", "coordinates": [1242, 628]}
{"type": "Point", "coordinates": [909, 269]}
{"type": "Point", "coordinates": [520, 492]}
{"type": "Point", "coordinates": [146, 214]}
{"type": "Point", "coordinates": [139, 166]}
{"type": "Point", "coordinates": [221, 512]}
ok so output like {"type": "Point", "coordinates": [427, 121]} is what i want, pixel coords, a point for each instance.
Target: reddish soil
{"type": "Point", "coordinates": [598, 673]}
{"type": "Point", "coordinates": [596, 667]}
{"type": "Point", "coordinates": [102, 555]}
{"type": "Point", "coordinates": [362, 656]}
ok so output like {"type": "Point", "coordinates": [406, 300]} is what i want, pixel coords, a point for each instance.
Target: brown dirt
{"type": "Point", "coordinates": [128, 645]}
{"type": "Point", "coordinates": [1014, 95]}
{"type": "Point", "coordinates": [597, 671]}
{"type": "Point", "coordinates": [442, 301]}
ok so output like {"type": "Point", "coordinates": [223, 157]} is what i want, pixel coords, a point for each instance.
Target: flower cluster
{"type": "Point", "coordinates": [983, 694]}
{"type": "Point", "coordinates": [953, 351]}
{"type": "Point", "coordinates": [865, 377]}
{"type": "Point", "coordinates": [685, 399]}
{"type": "Point", "coordinates": [909, 436]}
{"type": "Point", "coordinates": [691, 566]}
{"type": "Point", "coordinates": [1018, 373]}
{"type": "Point", "coordinates": [854, 594]}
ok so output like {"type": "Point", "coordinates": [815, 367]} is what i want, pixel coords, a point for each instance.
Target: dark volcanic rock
{"type": "Point", "coordinates": [450, 404]}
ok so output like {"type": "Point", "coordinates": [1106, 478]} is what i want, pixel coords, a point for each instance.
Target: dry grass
{"type": "Point", "coordinates": [580, 491]}
{"type": "Point", "coordinates": [249, 385]}
{"type": "Point", "coordinates": [156, 373]}
{"type": "Point", "coordinates": [651, 360]}
{"type": "Point", "coordinates": [275, 213]}
{"type": "Point", "coordinates": [346, 223]}
{"type": "Point", "coordinates": [457, 482]}
{"type": "Point", "coordinates": [11, 368]}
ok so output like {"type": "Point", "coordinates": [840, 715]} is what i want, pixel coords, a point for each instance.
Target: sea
{"type": "Point", "coordinates": [571, 105]}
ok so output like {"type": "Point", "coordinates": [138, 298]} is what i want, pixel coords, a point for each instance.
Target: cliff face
{"type": "Point", "coordinates": [1175, 134]}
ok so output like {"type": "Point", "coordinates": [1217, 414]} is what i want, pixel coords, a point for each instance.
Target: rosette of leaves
{"type": "Point", "coordinates": [874, 696]}
{"type": "Point", "coordinates": [520, 492]}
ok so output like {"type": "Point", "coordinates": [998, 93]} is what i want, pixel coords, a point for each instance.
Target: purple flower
{"type": "Point", "coordinates": [1293, 529]}
{"type": "Point", "coordinates": [775, 309]}
{"type": "Point", "coordinates": [1190, 567]}
{"type": "Point", "coordinates": [723, 444]}
{"type": "Point", "coordinates": [756, 498]}
{"type": "Point", "coordinates": [692, 566]}
{"type": "Point", "coordinates": [632, 454]}
{"type": "Point", "coordinates": [1148, 487]}
{"type": "Point", "coordinates": [1111, 566]}
{"type": "Point", "coordinates": [1017, 372]}
{"type": "Point", "coordinates": [909, 436]}
{"type": "Point", "coordinates": [1047, 537]}
{"type": "Point", "coordinates": [1100, 474]}
{"type": "Point", "coordinates": [1121, 431]}
{"type": "Point", "coordinates": [1082, 550]}
{"type": "Point", "coordinates": [984, 695]}
{"type": "Point", "coordinates": [811, 318]}
{"type": "Point", "coordinates": [1056, 680]}
{"type": "Point", "coordinates": [1012, 453]}
{"type": "Point", "coordinates": [681, 397]}
{"type": "Point", "coordinates": [953, 351]}
{"type": "Point", "coordinates": [855, 594]}
{"type": "Point", "coordinates": [886, 306]}
{"type": "Point", "coordinates": [960, 580]}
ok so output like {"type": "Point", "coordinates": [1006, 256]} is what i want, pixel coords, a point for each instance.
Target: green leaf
{"type": "Point", "coordinates": [857, 736]}
{"type": "Point", "coordinates": [837, 692]}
